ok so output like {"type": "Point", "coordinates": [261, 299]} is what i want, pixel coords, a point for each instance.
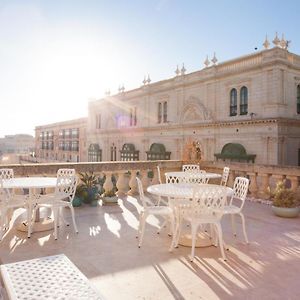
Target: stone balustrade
{"type": "Point", "coordinates": [261, 176]}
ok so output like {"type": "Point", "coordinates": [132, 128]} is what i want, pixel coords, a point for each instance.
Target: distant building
{"type": "Point", "coordinates": [246, 109]}
{"type": "Point", "coordinates": [18, 143]}
{"type": "Point", "coordinates": [62, 141]}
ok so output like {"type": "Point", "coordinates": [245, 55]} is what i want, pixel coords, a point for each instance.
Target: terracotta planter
{"type": "Point", "coordinates": [286, 212]}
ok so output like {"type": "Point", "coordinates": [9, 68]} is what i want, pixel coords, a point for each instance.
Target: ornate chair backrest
{"type": "Point", "coordinates": [190, 168]}
{"type": "Point", "coordinates": [240, 189]}
{"type": "Point", "coordinates": [208, 200]}
{"type": "Point", "coordinates": [6, 173]}
{"type": "Point", "coordinates": [66, 183]}
{"type": "Point", "coordinates": [158, 174]}
{"type": "Point", "coordinates": [196, 178]}
{"type": "Point", "coordinates": [173, 179]}
{"type": "Point", "coordinates": [225, 176]}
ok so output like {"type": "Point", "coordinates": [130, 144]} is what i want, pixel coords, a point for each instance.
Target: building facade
{"type": "Point", "coordinates": [245, 109]}
{"type": "Point", "coordinates": [61, 142]}
{"type": "Point", "coordinates": [18, 143]}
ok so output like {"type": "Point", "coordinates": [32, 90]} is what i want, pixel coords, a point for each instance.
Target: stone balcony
{"type": "Point", "coordinates": [261, 176]}
{"type": "Point", "coordinates": [105, 250]}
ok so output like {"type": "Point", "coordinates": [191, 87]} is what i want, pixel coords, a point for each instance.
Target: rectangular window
{"type": "Point", "coordinates": [165, 112]}
{"type": "Point", "coordinates": [159, 113]}
{"type": "Point", "coordinates": [98, 121]}
{"type": "Point", "coordinates": [298, 99]}
{"type": "Point", "coordinates": [134, 117]}
{"type": "Point", "coordinates": [75, 132]}
{"type": "Point", "coordinates": [131, 118]}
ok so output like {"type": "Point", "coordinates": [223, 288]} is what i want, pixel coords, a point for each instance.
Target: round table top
{"type": "Point", "coordinates": [180, 190]}
{"type": "Point", "coordinates": [29, 182]}
{"type": "Point", "coordinates": [181, 174]}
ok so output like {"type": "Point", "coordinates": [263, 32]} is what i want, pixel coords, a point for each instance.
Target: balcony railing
{"type": "Point", "coordinates": [261, 176]}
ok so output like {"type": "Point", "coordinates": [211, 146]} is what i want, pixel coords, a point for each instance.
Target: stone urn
{"type": "Point", "coordinates": [286, 212]}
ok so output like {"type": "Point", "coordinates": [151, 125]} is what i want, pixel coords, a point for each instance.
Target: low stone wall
{"type": "Point", "coordinates": [261, 176]}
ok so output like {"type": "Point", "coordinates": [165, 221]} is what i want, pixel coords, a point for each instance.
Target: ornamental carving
{"type": "Point", "coordinates": [195, 111]}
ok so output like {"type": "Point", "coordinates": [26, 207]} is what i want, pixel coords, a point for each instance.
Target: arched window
{"type": "Point", "coordinates": [94, 153]}
{"type": "Point", "coordinates": [244, 101]}
{"type": "Point", "coordinates": [113, 152]}
{"type": "Point", "coordinates": [298, 99]}
{"type": "Point", "coordinates": [233, 102]}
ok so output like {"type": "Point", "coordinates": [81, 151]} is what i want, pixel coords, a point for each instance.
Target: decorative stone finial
{"type": "Point", "coordinates": [283, 42]}
{"type": "Point", "coordinates": [214, 59]}
{"type": "Point", "coordinates": [177, 71]}
{"type": "Point", "coordinates": [266, 43]}
{"type": "Point", "coordinates": [183, 69]}
{"type": "Point", "coordinates": [206, 62]}
{"type": "Point", "coordinates": [144, 81]}
{"type": "Point", "coordinates": [148, 79]}
{"type": "Point", "coordinates": [276, 40]}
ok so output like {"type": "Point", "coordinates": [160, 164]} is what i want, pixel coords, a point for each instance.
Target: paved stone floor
{"type": "Point", "coordinates": [106, 251]}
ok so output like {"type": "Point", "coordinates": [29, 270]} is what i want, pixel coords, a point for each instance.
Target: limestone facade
{"type": "Point", "coordinates": [252, 100]}
{"type": "Point", "coordinates": [62, 141]}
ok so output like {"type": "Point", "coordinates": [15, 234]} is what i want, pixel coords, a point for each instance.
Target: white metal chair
{"type": "Point", "coordinates": [240, 190]}
{"type": "Point", "coordinates": [190, 168]}
{"type": "Point", "coordinates": [225, 176]}
{"type": "Point", "coordinates": [160, 200]}
{"type": "Point", "coordinates": [8, 203]}
{"type": "Point", "coordinates": [150, 209]}
{"type": "Point", "coordinates": [62, 197]}
{"type": "Point", "coordinates": [207, 207]}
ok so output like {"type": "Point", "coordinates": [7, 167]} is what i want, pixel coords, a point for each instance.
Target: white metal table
{"type": "Point", "coordinates": [50, 277]}
{"type": "Point", "coordinates": [32, 183]}
{"type": "Point", "coordinates": [182, 175]}
{"type": "Point", "coordinates": [179, 191]}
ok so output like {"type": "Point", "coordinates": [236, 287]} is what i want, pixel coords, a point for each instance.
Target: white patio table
{"type": "Point", "coordinates": [182, 175]}
{"type": "Point", "coordinates": [179, 191]}
{"type": "Point", "coordinates": [32, 183]}
{"type": "Point", "coordinates": [50, 277]}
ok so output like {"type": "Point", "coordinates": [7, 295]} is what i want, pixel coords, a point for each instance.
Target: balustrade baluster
{"type": "Point", "coordinates": [122, 183]}
{"type": "Point", "coordinates": [253, 184]}
{"type": "Point", "coordinates": [133, 183]}
{"type": "Point", "coordinates": [145, 179]}
{"type": "Point", "coordinates": [108, 184]}
{"type": "Point", "coordinates": [294, 182]}
{"type": "Point", "coordinates": [264, 188]}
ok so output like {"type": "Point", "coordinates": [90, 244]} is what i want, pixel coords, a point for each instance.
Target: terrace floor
{"type": "Point", "coordinates": [106, 251]}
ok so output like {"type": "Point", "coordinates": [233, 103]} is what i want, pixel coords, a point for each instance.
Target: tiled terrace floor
{"type": "Point", "coordinates": [106, 251]}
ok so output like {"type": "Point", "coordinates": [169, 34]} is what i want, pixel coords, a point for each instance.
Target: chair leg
{"type": "Point", "coordinates": [143, 222]}
{"type": "Point", "coordinates": [73, 217]}
{"type": "Point", "coordinates": [221, 243]}
{"type": "Point", "coordinates": [172, 225]}
{"type": "Point", "coordinates": [55, 215]}
{"type": "Point", "coordinates": [63, 218]}
{"type": "Point", "coordinates": [233, 224]}
{"type": "Point", "coordinates": [162, 226]}
{"type": "Point", "coordinates": [2, 223]}
{"type": "Point", "coordinates": [178, 232]}
{"type": "Point", "coordinates": [30, 210]}
{"type": "Point", "coordinates": [194, 233]}
{"type": "Point", "coordinates": [244, 227]}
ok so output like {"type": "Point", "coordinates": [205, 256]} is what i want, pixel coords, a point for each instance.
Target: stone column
{"type": "Point", "coordinates": [253, 184]}
{"type": "Point", "coordinates": [263, 190]}
{"type": "Point", "coordinates": [108, 185]}
{"type": "Point", "coordinates": [294, 182]}
{"type": "Point", "coordinates": [133, 183]}
{"type": "Point", "coordinates": [231, 178]}
{"type": "Point", "coordinates": [145, 179]}
{"type": "Point", "coordinates": [122, 183]}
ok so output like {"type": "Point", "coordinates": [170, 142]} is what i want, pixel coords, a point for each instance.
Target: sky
{"type": "Point", "coordinates": [57, 55]}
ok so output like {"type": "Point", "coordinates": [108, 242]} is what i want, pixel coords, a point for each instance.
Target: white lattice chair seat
{"type": "Point", "coordinates": [52, 277]}
{"type": "Point", "coordinates": [231, 209]}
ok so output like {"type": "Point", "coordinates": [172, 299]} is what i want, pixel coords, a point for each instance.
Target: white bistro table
{"type": "Point", "coordinates": [50, 277]}
{"type": "Point", "coordinates": [179, 191]}
{"type": "Point", "coordinates": [182, 175]}
{"type": "Point", "coordinates": [32, 183]}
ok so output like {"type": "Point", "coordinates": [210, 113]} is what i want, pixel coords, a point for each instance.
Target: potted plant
{"type": "Point", "coordinates": [285, 201]}
{"type": "Point", "coordinates": [109, 198]}
{"type": "Point", "coordinates": [87, 190]}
